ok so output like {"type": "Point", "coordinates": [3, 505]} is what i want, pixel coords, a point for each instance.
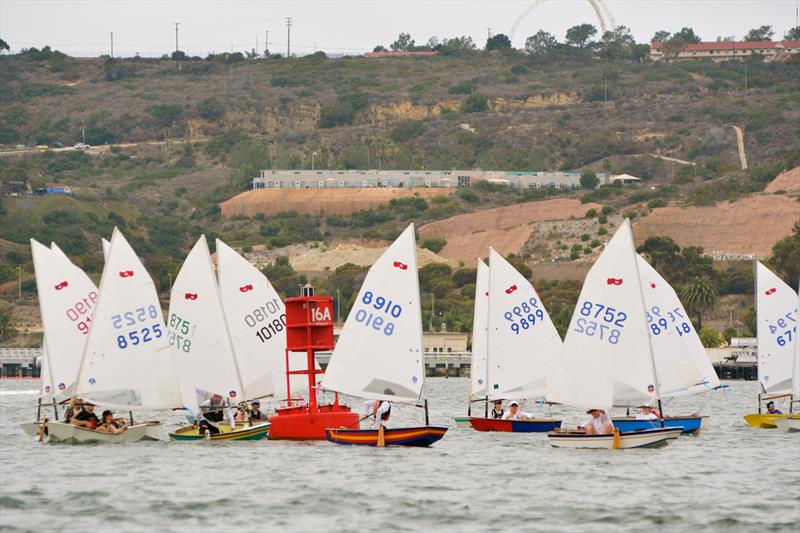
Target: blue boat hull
{"type": "Point", "coordinates": [690, 424]}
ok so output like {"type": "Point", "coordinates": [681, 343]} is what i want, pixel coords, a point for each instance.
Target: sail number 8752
{"type": "Point", "coordinates": [601, 321]}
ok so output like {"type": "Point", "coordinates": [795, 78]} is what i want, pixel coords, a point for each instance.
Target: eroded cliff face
{"type": "Point", "coordinates": [305, 116]}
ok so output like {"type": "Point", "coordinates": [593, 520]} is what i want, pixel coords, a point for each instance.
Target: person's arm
{"type": "Point", "coordinates": [230, 417]}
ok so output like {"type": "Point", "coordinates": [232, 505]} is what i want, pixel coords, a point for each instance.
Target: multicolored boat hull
{"type": "Point", "coordinates": [536, 425]}
{"type": "Point", "coordinates": [763, 420]}
{"type": "Point", "coordinates": [242, 432]}
{"type": "Point", "coordinates": [690, 424]}
{"type": "Point", "coordinates": [419, 436]}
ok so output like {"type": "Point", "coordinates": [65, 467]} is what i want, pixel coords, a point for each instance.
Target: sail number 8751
{"type": "Point", "coordinates": [601, 321]}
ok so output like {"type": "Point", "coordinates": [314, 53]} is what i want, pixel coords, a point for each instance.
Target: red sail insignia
{"type": "Point", "coordinates": [401, 266]}
{"type": "Point", "coordinates": [511, 289]}
{"type": "Point", "coordinates": [61, 285]}
{"type": "Point", "coordinates": [246, 288]}
{"type": "Point", "coordinates": [190, 296]}
{"type": "Point", "coordinates": [614, 281]}
{"type": "Point", "coordinates": [126, 274]}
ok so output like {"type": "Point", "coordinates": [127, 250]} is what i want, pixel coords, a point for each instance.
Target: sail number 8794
{"type": "Point", "coordinates": [601, 321]}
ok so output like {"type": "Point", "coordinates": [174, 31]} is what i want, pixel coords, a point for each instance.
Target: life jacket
{"type": "Point", "coordinates": [385, 416]}
{"type": "Point", "coordinates": [497, 415]}
{"type": "Point", "coordinates": [215, 414]}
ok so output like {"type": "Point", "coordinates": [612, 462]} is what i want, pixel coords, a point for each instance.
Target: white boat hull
{"type": "Point", "coordinates": [59, 431]}
{"type": "Point", "coordinates": [633, 439]}
{"type": "Point", "coordinates": [30, 428]}
{"type": "Point", "coordinates": [152, 430]}
{"type": "Point", "coordinates": [789, 425]}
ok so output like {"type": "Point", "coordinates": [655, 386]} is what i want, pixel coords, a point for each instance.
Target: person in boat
{"type": "Point", "coordinates": [77, 407]}
{"type": "Point", "coordinates": [772, 410]}
{"type": "Point", "coordinates": [497, 411]}
{"type": "Point", "coordinates": [599, 423]}
{"type": "Point", "coordinates": [86, 418]}
{"type": "Point", "coordinates": [109, 424]}
{"type": "Point", "coordinates": [212, 412]}
{"type": "Point", "coordinates": [514, 413]}
{"type": "Point", "coordinates": [646, 413]}
{"type": "Point", "coordinates": [255, 411]}
{"type": "Point", "coordinates": [380, 411]}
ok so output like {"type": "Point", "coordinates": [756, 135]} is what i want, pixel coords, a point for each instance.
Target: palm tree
{"type": "Point", "coordinates": [699, 296]}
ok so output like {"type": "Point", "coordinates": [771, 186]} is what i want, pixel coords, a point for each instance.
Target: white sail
{"type": "Point", "coordinates": [257, 323]}
{"type": "Point", "coordinates": [47, 388]}
{"type": "Point", "coordinates": [106, 248]}
{"type": "Point", "coordinates": [523, 342]}
{"type": "Point", "coordinates": [682, 361]}
{"type": "Point", "coordinates": [126, 362]}
{"type": "Point", "coordinates": [606, 358]}
{"type": "Point", "coordinates": [777, 331]}
{"type": "Point", "coordinates": [796, 367]}
{"type": "Point", "coordinates": [379, 352]}
{"type": "Point", "coordinates": [67, 301]}
{"type": "Point", "coordinates": [479, 336]}
{"type": "Point", "coordinates": [198, 333]}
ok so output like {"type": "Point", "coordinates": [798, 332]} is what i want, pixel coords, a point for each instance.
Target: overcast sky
{"type": "Point", "coordinates": [82, 27]}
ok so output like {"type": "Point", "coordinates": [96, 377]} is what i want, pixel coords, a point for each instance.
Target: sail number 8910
{"type": "Point", "coordinates": [372, 319]}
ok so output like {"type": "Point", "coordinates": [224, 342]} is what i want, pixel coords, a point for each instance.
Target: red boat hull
{"type": "Point", "coordinates": [297, 423]}
{"type": "Point", "coordinates": [537, 425]}
{"type": "Point", "coordinates": [419, 436]}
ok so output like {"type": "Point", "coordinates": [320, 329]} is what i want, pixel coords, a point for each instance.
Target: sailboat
{"type": "Point", "coordinates": [521, 344]}
{"type": "Point", "coordinates": [202, 347]}
{"type": "Point", "coordinates": [67, 299]}
{"type": "Point", "coordinates": [379, 353]}
{"type": "Point", "coordinates": [777, 315]}
{"type": "Point", "coordinates": [680, 358]}
{"type": "Point", "coordinates": [125, 362]}
{"type": "Point", "coordinates": [608, 358]}
{"type": "Point", "coordinates": [477, 367]}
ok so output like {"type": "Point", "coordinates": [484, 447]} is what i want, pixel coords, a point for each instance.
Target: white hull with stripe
{"type": "Point", "coordinates": [633, 439]}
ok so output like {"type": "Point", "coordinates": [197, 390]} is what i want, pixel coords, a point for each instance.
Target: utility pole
{"type": "Point", "coordinates": [112, 45]}
{"type": "Point", "coordinates": [19, 282]}
{"type": "Point", "coordinates": [83, 131]}
{"type": "Point", "coordinates": [288, 37]}
{"type": "Point", "coordinates": [488, 33]}
{"type": "Point", "coordinates": [266, 42]}
{"type": "Point", "coordinates": [256, 50]}
{"type": "Point", "coordinates": [177, 63]}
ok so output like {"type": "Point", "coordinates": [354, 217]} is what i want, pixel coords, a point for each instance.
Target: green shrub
{"type": "Point", "coordinates": [574, 254]}
{"type": "Point", "coordinates": [465, 87]}
{"type": "Point", "coordinates": [469, 196]}
{"type": "Point", "coordinates": [602, 231]}
{"type": "Point", "coordinates": [434, 244]}
{"type": "Point", "coordinates": [585, 237]}
{"type": "Point", "coordinates": [591, 213]}
{"type": "Point", "coordinates": [607, 209]}
{"type": "Point", "coordinates": [475, 103]}
{"type": "Point", "coordinates": [602, 219]}
{"type": "Point", "coordinates": [595, 243]}
{"type": "Point", "coordinates": [210, 108]}
{"type": "Point", "coordinates": [407, 130]}
{"type": "Point", "coordinates": [657, 202]}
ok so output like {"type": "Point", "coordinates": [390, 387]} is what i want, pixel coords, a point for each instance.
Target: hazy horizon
{"type": "Point", "coordinates": [82, 27]}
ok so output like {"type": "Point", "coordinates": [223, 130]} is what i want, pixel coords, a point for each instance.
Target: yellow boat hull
{"type": "Point", "coordinates": [762, 420]}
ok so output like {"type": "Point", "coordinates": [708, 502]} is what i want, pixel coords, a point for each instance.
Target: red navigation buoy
{"type": "Point", "coordinates": [309, 328]}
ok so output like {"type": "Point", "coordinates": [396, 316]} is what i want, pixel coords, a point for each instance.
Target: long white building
{"type": "Point", "coordinates": [357, 179]}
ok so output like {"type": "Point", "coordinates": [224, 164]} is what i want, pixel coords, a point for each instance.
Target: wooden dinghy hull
{"type": "Point", "coordinates": [462, 421]}
{"type": "Point", "coordinates": [61, 432]}
{"type": "Point", "coordinates": [762, 420]}
{"type": "Point", "coordinates": [634, 439]}
{"type": "Point", "coordinates": [790, 424]}
{"type": "Point", "coordinates": [535, 425]}
{"type": "Point", "coordinates": [690, 424]}
{"type": "Point", "coordinates": [243, 431]}
{"type": "Point", "coordinates": [419, 436]}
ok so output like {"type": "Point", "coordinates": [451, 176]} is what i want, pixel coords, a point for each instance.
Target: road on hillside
{"type": "Point", "coordinates": [97, 150]}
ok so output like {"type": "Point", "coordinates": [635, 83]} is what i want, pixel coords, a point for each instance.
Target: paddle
{"type": "Point", "coordinates": [42, 429]}
{"type": "Point", "coordinates": [381, 442]}
{"type": "Point", "coordinates": [355, 423]}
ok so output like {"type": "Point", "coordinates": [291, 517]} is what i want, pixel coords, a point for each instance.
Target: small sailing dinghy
{"type": "Point", "coordinates": [379, 353]}
{"type": "Point", "coordinates": [608, 357]}
{"type": "Point", "coordinates": [681, 360]}
{"type": "Point", "coordinates": [125, 362]}
{"type": "Point", "coordinates": [521, 344]}
{"type": "Point", "coordinates": [67, 299]}
{"type": "Point", "coordinates": [477, 367]}
{"type": "Point", "coordinates": [778, 346]}
{"type": "Point", "coordinates": [202, 348]}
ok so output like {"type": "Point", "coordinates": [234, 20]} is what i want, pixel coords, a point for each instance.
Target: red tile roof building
{"type": "Point", "coordinates": [725, 50]}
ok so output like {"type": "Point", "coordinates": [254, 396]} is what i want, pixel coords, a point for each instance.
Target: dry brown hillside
{"type": "Point", "coordinates": [751, 225]}
{"type": "Point", "coordinates": [787, 181]}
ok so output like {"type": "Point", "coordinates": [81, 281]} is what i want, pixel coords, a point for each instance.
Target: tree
{"type": "Point", "coordinates": [457, 45]}
{"type": "Point", "coordinates": [475, 103]}
{"type": "Point", "coordinates": [540, 43]}
{"type": "Point", "coordinates": [673, 46]}
{"type": "Point", "coordinates": [711, 338]}
{"type": "Point", "coordinates": [178, 55]}
{"type": "Point", "coordinates": [578, 36]}
{"type": "Point", "coordinates": [791, 35]}
{"type": "Point", "coordinates": [589, 180]}
{"type": "Point", "coordinates": [660, 36]}
{"type": "Point", "coordinates": [785, 260]}
{"type": "Point", "coordinates": [165, 113]}
{"type": "Point", "coordinates": [379, 48]}
{"type": "Point", "coordinates": [688, 36]}
{"type": "Point", "coordinates": [699, 296]}
{"type": "Point", "coordinates": [210, 108]}
{"type": "Point", "coordinates": [4, 46]}
{"type": "Point", "coordinates": [404, 43]}
{"type": "Point", "coordinates": [762, 33]}
{"type": "Point", "coordinates": [616, 44]}
{"type": "Point", "coordinates": [248, 157]}
{"type": "Point", "coordinates": [498, 42]}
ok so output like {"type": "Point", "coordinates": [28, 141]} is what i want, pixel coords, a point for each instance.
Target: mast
{"type": "Point", "coordinates": [488, 330]}
{"type": "Point", "coordinates": [649, 338]}
{"type": "Point", "coordinates": [758, 350]}
{"type": "Point", "coordinates": [225, 320]}
{"type": "Point", "coordinates": [421, 352]}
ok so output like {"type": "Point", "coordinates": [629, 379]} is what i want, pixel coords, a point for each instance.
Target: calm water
{"type": "Point", "coordinates": [729, 478]}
